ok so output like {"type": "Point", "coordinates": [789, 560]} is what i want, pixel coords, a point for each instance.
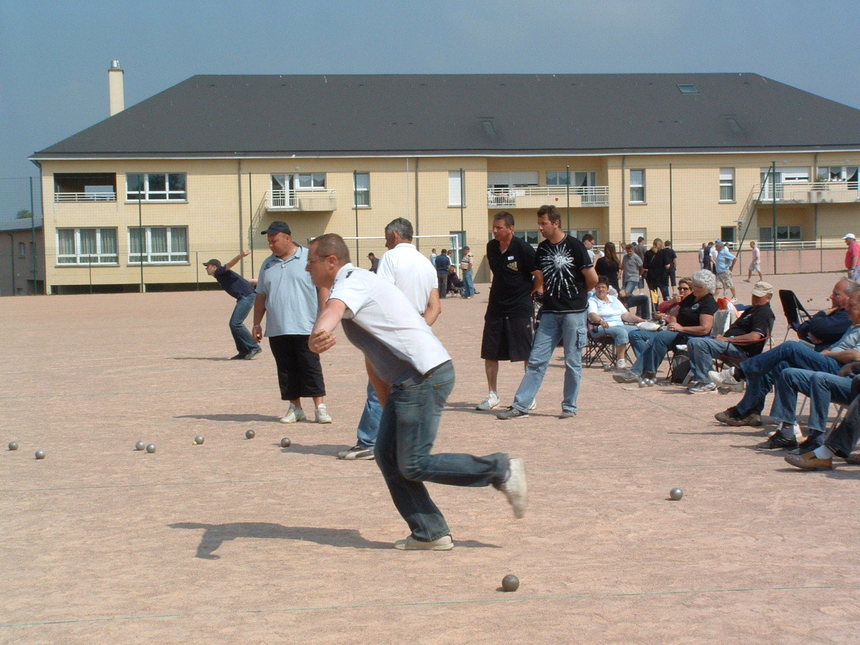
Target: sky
{"type": "Point", "coordinates": [54, 55]}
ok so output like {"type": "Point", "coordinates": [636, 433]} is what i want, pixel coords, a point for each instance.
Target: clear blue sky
{"type": "Point", "coordinates": [54, 55]}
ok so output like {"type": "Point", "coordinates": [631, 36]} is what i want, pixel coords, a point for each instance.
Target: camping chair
{"type": "Point", "coordinates": [795, 313]}
{"type": "Point", "coordinates": [601, 348]}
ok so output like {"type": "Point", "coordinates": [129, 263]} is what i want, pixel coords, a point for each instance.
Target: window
{"type": "Point", "coordinates": [158, 245]}
{"type": "Point", "coordinates": [783, 233]}
{"type": "Point", "coordinates": [84, 187]}
{"type": "Point", "coordinates": [155, 186]}
{"type": "Point", "coordinates": [839, 174]}
{"type": "Point", "coordinates": [311, 181]}
{"type": "Point", "coordinates": [687, 88]}
{"type": "Point", "coordinates": [637, 186]}
{"type": "Point", "coordinates": [727, 233]}
{"type": "Point", "coordinates": [22, 250]}
{"type": "Point", "coordinates": [530, 237]}
{"type": "Point", "coordinates": [582, 232]}
{"type": "Point", "coordinates": [86, 246]}
{"type": "Point", "coordinates": [362, 189]}
{"type": "Point", "coordinates": [727, 184]}
{"type": "Point", "coordinates": [578, 178]}
{"type": "Point", "coordinates": [456, 189]}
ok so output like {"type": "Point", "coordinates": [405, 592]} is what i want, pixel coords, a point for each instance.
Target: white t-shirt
{"type": "Point", "coordinates": [379, 321]}
{"type": "Point", "coordinates": [610, 311]}
{"type": "Point", "coordinates": [409, 271]}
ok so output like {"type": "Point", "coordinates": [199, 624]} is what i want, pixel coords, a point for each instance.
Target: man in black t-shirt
{"type": "Point", "coordinates": [245, 294]}
{"type": "Point", "coordinates": [746, 337]}
{"type": "Point", "coordinates": [508, 321]}
{"type": "Point", "coordinates": [568, 276]}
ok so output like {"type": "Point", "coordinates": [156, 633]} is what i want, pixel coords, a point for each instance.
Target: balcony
{"type": "Point", "coordinates": [85, 197]}
{"type": "Point", "coordinates": [810, 192]}
{"type": "Point", "coordinates": [537, 196]}
{"type": "Point", "coordinates": [301, 200]}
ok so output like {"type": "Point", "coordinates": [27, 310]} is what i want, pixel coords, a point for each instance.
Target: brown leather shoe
{"type": "Point", "coordinates": [853, 458]}
{"type": "Point", "coordinates": [810, 462]}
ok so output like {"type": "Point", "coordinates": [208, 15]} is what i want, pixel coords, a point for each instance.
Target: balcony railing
{"type": "Point", "coordinates": [84, 197]}
{"type": "Point", "coordinates": [301, 200]}
{"type": "Point", "coordinates": [810, 192]}
{"type": "Point", "coordinates": [535, 196]}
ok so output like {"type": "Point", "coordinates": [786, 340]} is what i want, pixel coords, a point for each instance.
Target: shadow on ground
{"type": "Point", "coordinates": [214, 535]}
{"type": "Point", "coordinates": [230, 417]}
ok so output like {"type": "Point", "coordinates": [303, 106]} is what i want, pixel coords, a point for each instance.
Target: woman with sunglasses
{"type": "Point", "coordinates": [695, 318]}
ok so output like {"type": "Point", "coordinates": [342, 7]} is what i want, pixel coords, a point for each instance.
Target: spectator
{"type": "Point", "coordinates": [852, 257]}
{"type": "Point", "coordinates": [673, 258]}
{"type": "Point", "coordinates": [745, 338]}
{"type": "Point", "coordinates": [442, 263]}
{"type": "Point", "coordinates": [608, 265]}
{"type": "Point", "coordinates": [695, 318]}
{"type": "Point", "coordinates": [828, 325]}
{"type": "Point", "coordinates": [755, 262]}
{"type": "Point", "coordinates": [467, 262]}
{"type": "Point", "coordinates": [656, 267]}
{"type": "Point", "coordinates": [374, 262]}
{"type": "Point", "coordinates": [610, 317]}
{"type": "Point", "coordinates": [760, 372]}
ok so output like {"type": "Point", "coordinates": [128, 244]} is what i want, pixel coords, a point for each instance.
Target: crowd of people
{"type": "Point", "coordinates": [564, 293]}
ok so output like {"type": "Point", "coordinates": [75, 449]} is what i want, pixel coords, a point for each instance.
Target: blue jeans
{"type": "Point", "coordinates": [822, 388]}
{"type": "Point", "coordinates": [368, 424]}
{"type": "Point", "coordinates": [618, 333]}
{"type": "Point", "coordinates": [241, 336]}
{"type": "Point", "coordinates": [702, 352]}
{"type": "Point", "coordinates": [651, 348]}
{"type": "Point", "coordinates": [468, 280]}
{"type": "Point", "coordinates": [410, 421]}
{"type": "Point", "coordinates": [630, 286]}
{"type": "Point", "coordinates": [762, 371]}
{"type": "Point", "coordinates": [569, 328]}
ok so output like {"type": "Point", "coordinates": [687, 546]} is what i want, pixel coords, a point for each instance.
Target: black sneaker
{"type": "Point", "coordinates": [778, 442]}
{"type": "Point", "coordinates": [252, 354]}
{"type": "Point", "coordinates": [511, 413]}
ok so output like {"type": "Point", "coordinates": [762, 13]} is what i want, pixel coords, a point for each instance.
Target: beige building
{"type": "Point", "coordinates": [197, 171]}
{"type": "Point", "coordinates": [22, 264]}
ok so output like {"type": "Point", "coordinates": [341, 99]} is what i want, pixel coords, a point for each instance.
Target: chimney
{"type": "Point", "coordinates": [116, 88]}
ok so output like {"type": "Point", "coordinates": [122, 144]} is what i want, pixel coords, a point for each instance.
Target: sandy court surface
{"type": "Point", "coordinates": [241, 541]}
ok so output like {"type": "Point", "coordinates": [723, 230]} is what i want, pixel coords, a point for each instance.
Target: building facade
{"type": "Point", "coordinates": [143, 198]}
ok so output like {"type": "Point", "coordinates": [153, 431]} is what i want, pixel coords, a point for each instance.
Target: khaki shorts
{"type": "Point", "coordinates": [725, 279]}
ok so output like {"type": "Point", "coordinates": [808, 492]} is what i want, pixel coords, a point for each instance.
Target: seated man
{"type": "Point", "coordinates": [695, 318]}
{"type": "Point", "coordinates": [609, 317]}
{"type": "Point", "coordinates": [745, 338]}
{"type": "Point", "coordinates": [828, 325]}
{"type": "Point", "coordinates": [840, 442]}
{"type": "Point", "coordinates": [762, 371]}
{"type": "Point", "coordinates": [822, 389]}
{"type": "Point", "coordinates": [455, 284]}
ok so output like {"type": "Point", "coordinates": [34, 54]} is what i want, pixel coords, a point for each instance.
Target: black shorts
{"type": "Point", "coordinates": [507, 339]}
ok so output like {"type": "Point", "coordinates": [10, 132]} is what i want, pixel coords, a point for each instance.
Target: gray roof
{"type": "Point", "coordinates": [467, 114]}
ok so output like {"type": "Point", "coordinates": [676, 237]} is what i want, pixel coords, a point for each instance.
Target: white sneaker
{"type": "Point", "coordinates": [322, 414]}
{"type": "Point", "coordinates": [293, 415]}
{"type": "Point", "coordinates": [726, 380]}
{"type": "Point", "coordinates": [533, 405]}
{"type": "Point", "coordinates": [492, 401]}
{"type": "Point", "coordinates": [515, 488]}
{"type": "Point", "coordinates": [621, 364]}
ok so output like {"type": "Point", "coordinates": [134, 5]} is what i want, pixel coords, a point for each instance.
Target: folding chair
{"type": "Point", "coordinates": [795, 312]}
{"type": "Point", "coordinates": [601, 348]}
{"type": "Point", "coordinates": [724, 361]}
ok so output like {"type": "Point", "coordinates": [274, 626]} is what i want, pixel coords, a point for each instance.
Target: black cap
{"type": "Point", "coordinates": [214, 262]}
{"type": "Point", "coordinates": [277, 227]}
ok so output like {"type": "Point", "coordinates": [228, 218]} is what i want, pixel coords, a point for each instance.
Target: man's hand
{"type": "Point", "coordinates": [321, 341]}
{"type": "Point", "coordinates": [245, 253]}
{"type": "Point", "coordinates": [257, 332]}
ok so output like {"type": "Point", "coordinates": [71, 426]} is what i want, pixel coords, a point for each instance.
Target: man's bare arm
{"type": "Point", "coordinates": [322, 339]}
{"type": "Point", "coordinates": [434, 307]}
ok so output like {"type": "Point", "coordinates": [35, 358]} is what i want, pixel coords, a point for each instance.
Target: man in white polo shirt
{"type": "Point", "coordinates": [405, 267]}
{"type": "Point", "coordinates": [407, 358]}
{"type": "Point", "coordinates": [290, 303]}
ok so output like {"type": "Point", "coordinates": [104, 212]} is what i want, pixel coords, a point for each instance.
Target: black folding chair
{"type": "Point", "coordinates": [795, 312]}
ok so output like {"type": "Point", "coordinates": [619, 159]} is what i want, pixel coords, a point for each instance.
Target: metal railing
{"type": "Point", "coordinates": [323, 199]}
{"type": "Point", "coordinates": [586, 195]}
{"type": "Point", "coordinates": [84, 197]}
{"type": "Point", "coordinates": [810, 192]}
